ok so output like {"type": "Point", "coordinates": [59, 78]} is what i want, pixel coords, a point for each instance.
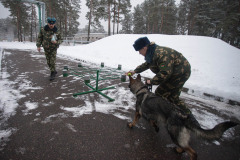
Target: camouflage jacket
{"type": "Point", "coordinates": [166, 63]}
{"type": "Point", "coordinates": [45, 36]}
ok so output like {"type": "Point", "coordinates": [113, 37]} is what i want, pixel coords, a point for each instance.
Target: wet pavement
{"type": "Point", "coordinates": [48, 131]}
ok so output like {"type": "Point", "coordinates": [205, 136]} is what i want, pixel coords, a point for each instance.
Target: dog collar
{"type": "Point", "coordinates": [141, 89]}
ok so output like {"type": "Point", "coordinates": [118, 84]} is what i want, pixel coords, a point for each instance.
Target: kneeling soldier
{"type": "Point", "coordinates": [172, 70]}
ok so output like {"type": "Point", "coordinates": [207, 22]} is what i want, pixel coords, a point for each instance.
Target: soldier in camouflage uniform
{"type": "Point", "coordinates": [50, 45]}
{"type": "Point", "coordinates": [172, 70]}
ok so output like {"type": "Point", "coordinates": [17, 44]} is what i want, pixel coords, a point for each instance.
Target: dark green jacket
{"type": "Point", "coordinates": [45, 36]}
{"type": "Point", "coordinates": [166, 63]}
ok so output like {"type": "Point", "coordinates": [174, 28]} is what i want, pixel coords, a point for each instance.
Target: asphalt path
{"type": "Point", "coordinates": [46, 132]}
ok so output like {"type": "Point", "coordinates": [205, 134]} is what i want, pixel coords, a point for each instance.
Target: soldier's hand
{"type": "Point", "coordinates": [54, 42]}
{"type": "Point", "coordinates": [130, 72]}
{"type": "Point", "coordinates": [39, 49]}
{"type": "Point", "coordinates": [148, 84]}
{"type": "Point", "coordinates": [148, 81]}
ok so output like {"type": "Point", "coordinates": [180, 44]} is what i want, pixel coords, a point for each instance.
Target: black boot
{"type": "Point", "coordinates": [193, 119]}
{"type": "Point", "coordinates": [52, 75]}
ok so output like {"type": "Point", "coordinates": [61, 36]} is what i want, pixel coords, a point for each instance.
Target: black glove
{"type": "Point", "coordinates": [149, 86]}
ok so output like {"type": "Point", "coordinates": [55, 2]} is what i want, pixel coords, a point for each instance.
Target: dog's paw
{"type": "Point", "coordinates": [130, 125]}
{"type": "Point", "coordinates": [178, 150]}
{"type": "Point", "coordinates": [156, 129]}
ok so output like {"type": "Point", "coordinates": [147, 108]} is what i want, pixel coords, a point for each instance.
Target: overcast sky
{"type": "Point", "coordinates": [4, 13]}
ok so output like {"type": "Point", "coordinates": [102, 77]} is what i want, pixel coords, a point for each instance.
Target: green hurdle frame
{"type": "Point", "coordinates": [109, 74]}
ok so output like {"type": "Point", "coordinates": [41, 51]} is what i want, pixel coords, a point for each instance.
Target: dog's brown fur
{"type": "Point", "coordinates": [159, 110]}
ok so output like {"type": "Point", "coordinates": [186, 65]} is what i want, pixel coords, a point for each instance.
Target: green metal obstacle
{"type": "Point", "coordinates": [98, 74]}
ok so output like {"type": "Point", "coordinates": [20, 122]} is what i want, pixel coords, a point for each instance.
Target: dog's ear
{"type": "Point", "coordinates": [139, 77]}
{"type": "Point", "coordinates": [130, 78]}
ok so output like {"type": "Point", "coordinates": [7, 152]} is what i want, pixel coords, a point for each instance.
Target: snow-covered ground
{"type": "Point", "coordinates": [215, 66]}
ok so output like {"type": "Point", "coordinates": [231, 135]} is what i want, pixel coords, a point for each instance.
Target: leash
{"type": "Point", "coordinates": [148, 86]}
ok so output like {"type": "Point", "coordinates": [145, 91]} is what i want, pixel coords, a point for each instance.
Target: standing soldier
{"type": "Point", "coordinates": [172, 70]}
{"type": "Point", "coordinates": [50, 39]}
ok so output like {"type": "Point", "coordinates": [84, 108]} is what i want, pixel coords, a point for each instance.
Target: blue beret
{"type": "Point", "coordinates": [51, 20]}
{"type": "Point", "coordinates": [140, 43]}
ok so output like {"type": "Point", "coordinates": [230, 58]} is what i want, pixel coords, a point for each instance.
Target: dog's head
{"type": "Point", "coordinates": [135, 84]}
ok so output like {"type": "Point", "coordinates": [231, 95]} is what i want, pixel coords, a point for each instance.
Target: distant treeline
{"type": "Point", "coordinates": [213, 18]}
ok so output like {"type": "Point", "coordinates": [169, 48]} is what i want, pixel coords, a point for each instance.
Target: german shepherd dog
{"type": "Point", "coordinates": [159, 110]}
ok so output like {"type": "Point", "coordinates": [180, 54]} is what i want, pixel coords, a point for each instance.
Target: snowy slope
{"type": "Point", "coordinates": [215, 64]}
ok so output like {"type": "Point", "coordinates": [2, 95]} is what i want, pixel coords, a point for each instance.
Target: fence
{"type": "Point", "coordinates": [69, 40]}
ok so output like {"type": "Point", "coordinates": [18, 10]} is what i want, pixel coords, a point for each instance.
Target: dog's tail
{"type": "Point", "coordinates": [211, 134]}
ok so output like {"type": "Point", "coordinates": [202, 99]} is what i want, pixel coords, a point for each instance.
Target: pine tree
{"type": "Point", "coordinates": [24, 15]}
{"type": "Point", "coordinates": [146, 13]}
{"type": "Point", "coordinates": [157, 16]}
{"type": "Point", "coordinates": [187, 15]}
{"type": "Point", "coordinates": [123, 8]}
{"type": "Point", "coordinates": [107, 4]}
{"type": "Point", "coordinates": [230, 22]}
{"type": "Point", "coordinates": [139, 25]}
{"type": "Point", "coordinates": [33, 23]}
{"type": "Point", "coordinates": [127, 24]}
{"type": "Point", "coordinates": [20, 16]}
{"type": "Point", "coordinates": [114, 12]}
{"type": "Point", "coordinates": [218, 19]}
{"type": "Point", "coordinates": [96, 12]}
{"type": "Point", "coordinates": [169, 27]}
{"type": "Point", "coordinates": [73, 16]}
{"type": "Point", "coordinates": [7, 29]}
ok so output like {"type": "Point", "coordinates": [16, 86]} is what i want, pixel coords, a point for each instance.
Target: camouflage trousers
{"type": "Point", "coordinates": [171, 90]}
{"type": "Point", "coordinates": [51, 58]}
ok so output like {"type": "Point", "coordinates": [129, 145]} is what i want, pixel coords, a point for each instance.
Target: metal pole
{"type": "Point", "coordinates": [43, 14]}
{"type": "Point", "coordinates": [41, 22]}
{"type": "Point", "coordinates": [39, 15]}
{"type": "Point", "coordinates": [23, 36]}
{"type": "Point", "coordinates": [97, 80]}
{"type": "Point", "coordinates": [98, 91]}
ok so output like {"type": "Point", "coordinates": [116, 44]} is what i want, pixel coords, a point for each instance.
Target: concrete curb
{"type": "Point", "coordinates": [217, 98]}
